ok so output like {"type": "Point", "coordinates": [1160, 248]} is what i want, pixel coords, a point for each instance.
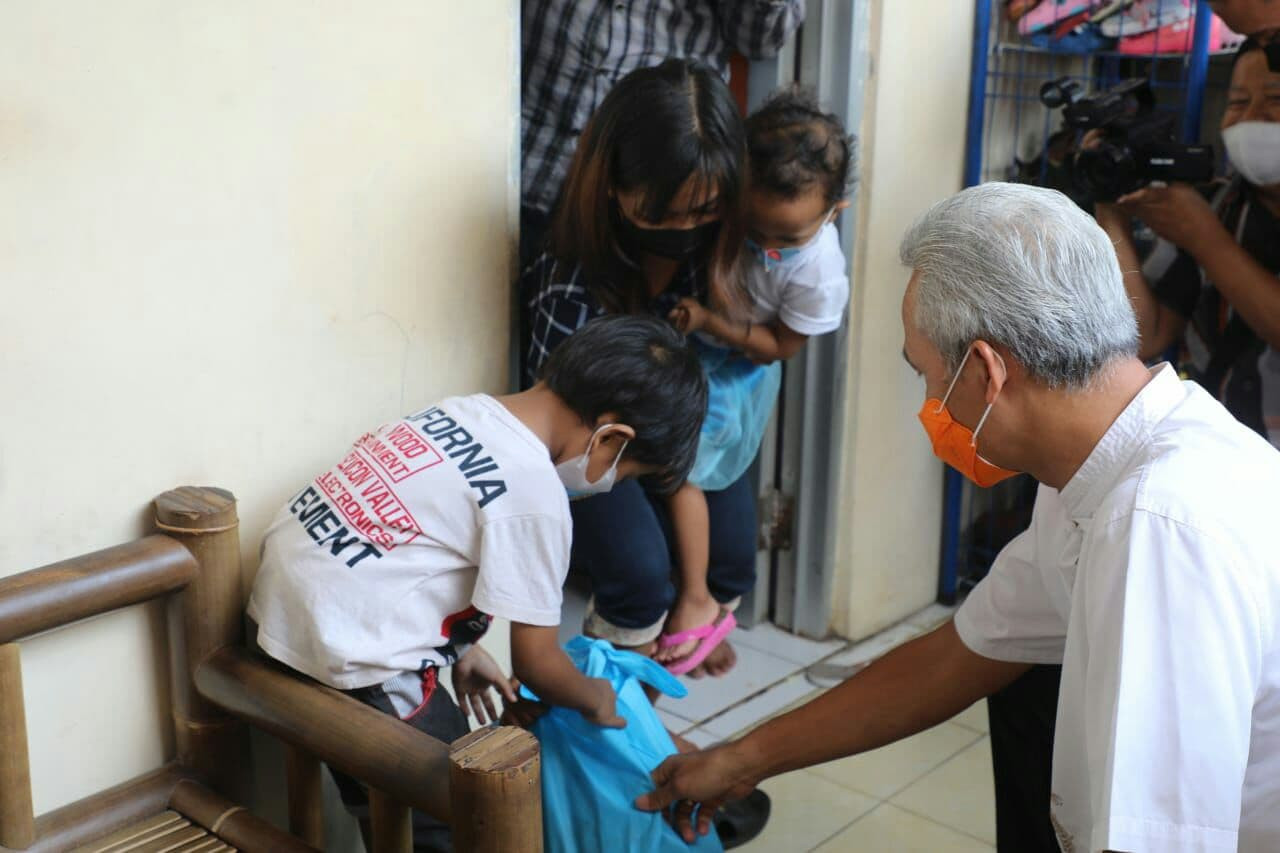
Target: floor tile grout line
{"type": "Point", "coordinates": [963, 832]}
{"type": "Point", "coordinates": [935, 767]}
{"type": "Point", "coordinates": [879, 802]}
{"type": "Point", "coordinates": [744, 700]}
{"type": "Point", "coordinates": [913, 781]}
{"type": "Point", "coordinates": [754, 696]}
{"type": "Point", "coordinates": [803, 668]}
{"type": "Point", "coordinates": [844, 644]}
{"type": "Point", "coordinates": [969, 727]}
{"type": "Point", "coordinates": [925, 818]}
{"type": "Point", "coordinates": [934, 819]}
{"type": "Point", "coordinates": [802, 699]}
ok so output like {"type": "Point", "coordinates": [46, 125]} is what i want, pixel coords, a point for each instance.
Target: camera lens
{"type": "Point", "coordinates": [1059, 92]}
{"type": "Point", "coordinates": [1107, 171]}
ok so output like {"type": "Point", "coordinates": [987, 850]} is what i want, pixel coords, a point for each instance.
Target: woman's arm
{"type": "Point", "coordinates": [1159, 326]}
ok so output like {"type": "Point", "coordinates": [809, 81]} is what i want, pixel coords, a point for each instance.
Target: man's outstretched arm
{"type": "Point", "coordinates": [914, 687]}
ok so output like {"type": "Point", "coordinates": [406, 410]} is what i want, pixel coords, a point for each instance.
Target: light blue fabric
{"type": "Point", "coordinates": [740, 398]}
{"type": "Point", "coordinates": [769, 258]}
{"type": "Point", "coordinates": [591, 776]}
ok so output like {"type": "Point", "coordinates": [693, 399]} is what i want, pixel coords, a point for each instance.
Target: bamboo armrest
{"type": "Point", "coordinates": [397, 759]}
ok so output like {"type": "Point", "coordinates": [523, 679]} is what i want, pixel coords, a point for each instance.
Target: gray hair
{"type": "Point", "coordinates": [1026, 268]}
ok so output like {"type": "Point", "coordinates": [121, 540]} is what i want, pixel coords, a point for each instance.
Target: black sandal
{"type": "Point", "coordinates": [739, 821]}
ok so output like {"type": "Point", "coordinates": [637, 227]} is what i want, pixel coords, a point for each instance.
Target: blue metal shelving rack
{"type": "Point", "coordinates": [1006, 73]}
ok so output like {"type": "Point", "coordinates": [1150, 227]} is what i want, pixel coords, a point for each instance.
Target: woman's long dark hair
{"type": "Point", "coordinates": [657, 128]}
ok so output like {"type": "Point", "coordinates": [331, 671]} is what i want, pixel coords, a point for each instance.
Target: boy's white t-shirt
{"type": "Point", "coordinates": [398, 556]}
{"type": "Point", "coordinates": [808, 292]}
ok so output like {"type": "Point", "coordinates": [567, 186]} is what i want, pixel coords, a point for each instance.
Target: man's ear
{"type": "Point", "coordinates": [994, 365]}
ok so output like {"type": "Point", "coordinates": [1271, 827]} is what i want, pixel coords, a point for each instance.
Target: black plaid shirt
{"type": "Point", "coordinates": [556, 303]}
{"type": "Point", "coordinates": [575, 50]}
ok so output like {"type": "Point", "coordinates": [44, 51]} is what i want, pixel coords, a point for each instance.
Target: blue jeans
{"type": "Point", "coordinates": [623, 541]}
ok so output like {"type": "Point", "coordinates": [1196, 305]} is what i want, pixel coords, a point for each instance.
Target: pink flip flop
{"type": "Point", "coordinates": [711, 635]}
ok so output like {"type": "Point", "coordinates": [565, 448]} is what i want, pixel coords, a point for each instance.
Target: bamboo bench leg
{"type": "Point", "coordinates": [306, 809]}
{"type": "Point", "coordinates": [392, 826]}
{"type": "Point", "coordinates": [495, 780]}
{"type": "Point", "coordinates": [17, 820]}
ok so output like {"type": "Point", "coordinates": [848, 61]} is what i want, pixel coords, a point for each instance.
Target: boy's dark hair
{"type": "Point", "coordinates": [649, 375]}
{"type": "Point", "coordinates": [793, 145]}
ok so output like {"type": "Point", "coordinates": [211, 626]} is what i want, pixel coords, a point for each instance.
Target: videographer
{"type": "Point", "coordinates": [1211, 280]}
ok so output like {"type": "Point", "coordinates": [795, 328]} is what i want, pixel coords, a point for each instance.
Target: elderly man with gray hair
{"type": "Point", "coordinates": [1151, 570]}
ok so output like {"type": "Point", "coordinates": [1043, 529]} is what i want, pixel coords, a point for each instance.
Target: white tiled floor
{"type": "Point", "coordinates": [931, 792]}
{"type": "Point", "coordinates": [754, 672]}
{"type": "Point", "coordinates": [889, 829]}
{"type": "Point", "coordinates": [772, 639]}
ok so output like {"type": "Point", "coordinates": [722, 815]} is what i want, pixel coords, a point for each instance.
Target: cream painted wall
{"type": "Point", "coordinates": [232, 238]}
{"type": "Point", "coordinates": [912, 144]}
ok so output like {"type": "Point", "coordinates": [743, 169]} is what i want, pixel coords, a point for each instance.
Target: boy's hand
{"type": "Point", "coordinates": [688, 316]}
{"type": "Point", "coordinates": [522, 712]}
{"type": "Point", "coordinates": [473, 675]}
{"type": "Point", "coordinates": [542, 665]}
{"type": "Point", "coordinates": [604, 712]}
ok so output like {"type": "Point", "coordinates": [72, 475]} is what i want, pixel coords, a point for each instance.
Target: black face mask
{"type": "Point", "coordinates": [674, 243]}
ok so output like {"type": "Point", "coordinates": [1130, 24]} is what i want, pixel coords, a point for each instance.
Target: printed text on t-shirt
{"type": "Point", "coordinates": [319, 520]}
{"type": "Point", "coordinates": [460, 446]}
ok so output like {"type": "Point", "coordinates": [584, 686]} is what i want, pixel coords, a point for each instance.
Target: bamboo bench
{"type": "Point", "coordinates": [486, 786]}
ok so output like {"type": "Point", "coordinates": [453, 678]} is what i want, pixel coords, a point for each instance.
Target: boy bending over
{"type": "Point", "coordinates": [392, 563]}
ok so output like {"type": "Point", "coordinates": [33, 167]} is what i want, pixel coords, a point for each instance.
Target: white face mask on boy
{"type": "Point", "coordinates": [573, 472]}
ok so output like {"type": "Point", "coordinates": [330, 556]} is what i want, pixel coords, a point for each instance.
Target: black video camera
{"type": "Point", "coordinates": [1138, 144]}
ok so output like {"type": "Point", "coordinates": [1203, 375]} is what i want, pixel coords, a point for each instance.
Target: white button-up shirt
{"type": "Point", "coordinates": [1153, 577]}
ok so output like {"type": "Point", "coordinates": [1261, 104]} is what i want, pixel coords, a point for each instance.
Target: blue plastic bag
{"type": "Point", "coordinates": [740, 398]}
{"type": "Point", "coordinates": [591, 776]}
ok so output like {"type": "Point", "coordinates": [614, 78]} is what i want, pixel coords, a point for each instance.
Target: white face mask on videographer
{"type": "Point", "coordinates": [1253, 147]}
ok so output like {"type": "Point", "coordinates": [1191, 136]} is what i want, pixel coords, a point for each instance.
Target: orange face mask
{"type": "Point", "coordinates": [955, 444]}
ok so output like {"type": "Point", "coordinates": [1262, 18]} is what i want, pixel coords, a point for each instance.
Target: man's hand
{"type": "Point", "coordinates": [688, 316]}
{"type": "Point", "coordinates": [1178, 213]}
{"type": "Point", "coordinates": [604, 711]}
{"type": "Point", "coordinates": [706, 778]}
{"type": "Point", "coordinates": [473, 675]}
